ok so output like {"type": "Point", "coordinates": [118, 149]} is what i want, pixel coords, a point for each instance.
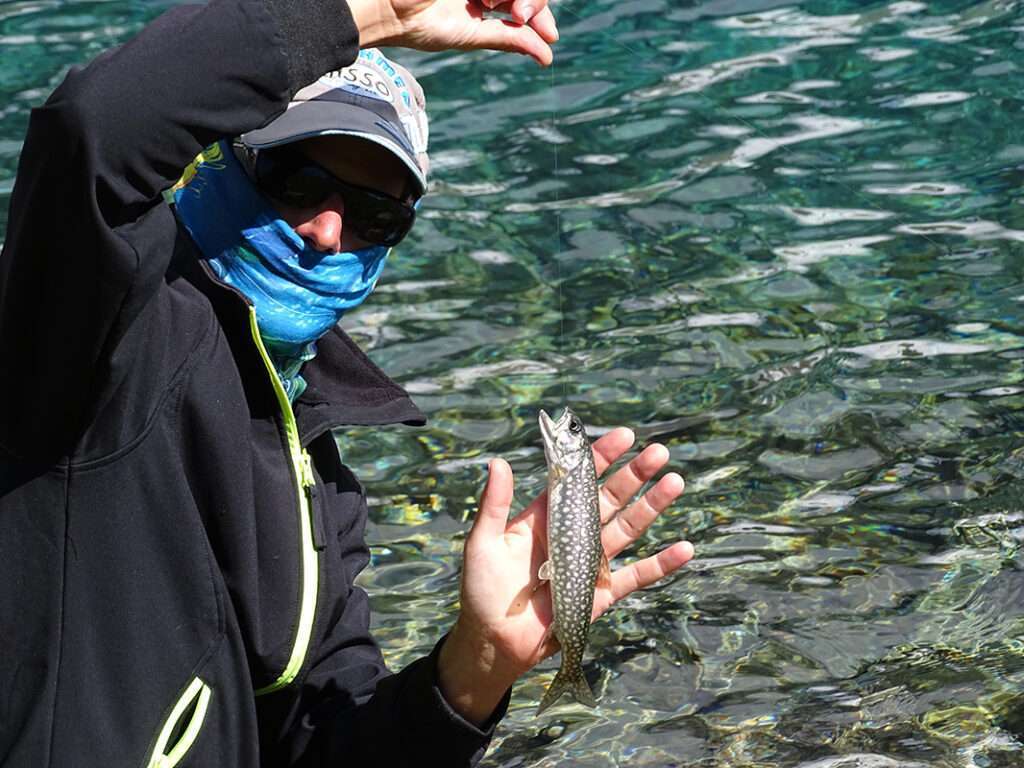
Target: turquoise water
{"type": "Point", "coordinates": [784, 239]}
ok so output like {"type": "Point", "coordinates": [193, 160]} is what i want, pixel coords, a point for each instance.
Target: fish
{"type": "Point", "coordinates": [576, 561]}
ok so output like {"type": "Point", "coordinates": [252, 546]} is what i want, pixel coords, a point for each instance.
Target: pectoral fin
{"type": "Point", "coordinates": [604, 573]}
{"type": "Point", "coordinates": [550, 635]}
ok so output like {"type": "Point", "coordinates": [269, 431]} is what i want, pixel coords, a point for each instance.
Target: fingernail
{"type": "Point", "coordinates": [527, 12]}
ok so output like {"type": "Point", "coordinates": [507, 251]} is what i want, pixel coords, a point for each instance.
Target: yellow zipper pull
{"type": "Point", "coordinates": [316, 520]}
{"type": "Point", "coordinates": [308, 478]}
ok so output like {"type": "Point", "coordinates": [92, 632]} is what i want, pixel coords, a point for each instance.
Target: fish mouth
{"type": "Point", "coordinates": [547, 427]}
{"type": "Point", "coordinates": [550, 428]}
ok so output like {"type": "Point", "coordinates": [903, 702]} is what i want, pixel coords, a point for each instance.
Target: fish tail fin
{"type": "Point", "coordinates": [582, 693]}
{"type": "Point", "coordinates": [573, 684]}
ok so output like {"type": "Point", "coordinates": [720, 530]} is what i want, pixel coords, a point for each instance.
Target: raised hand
{"type": "Point", "coordinates": [505, 614]}
{"type": "Point", "coordinates": [434, 25]}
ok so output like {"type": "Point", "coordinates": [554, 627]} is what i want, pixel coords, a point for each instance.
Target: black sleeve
{"type": "Point", "coordinates": [365, 715]}
{"type": "Point", "coordinates": [89, 240]}
{"type": "Point", "coordinates": [349, 709]}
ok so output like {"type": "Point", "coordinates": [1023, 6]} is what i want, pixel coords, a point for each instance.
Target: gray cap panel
{"type": "Point", "coordinates": [324, 117]}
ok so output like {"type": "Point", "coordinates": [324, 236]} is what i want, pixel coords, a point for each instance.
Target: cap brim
{"type": "Point", "coordinates": [322, 118]}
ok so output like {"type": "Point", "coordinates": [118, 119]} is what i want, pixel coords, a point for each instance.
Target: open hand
{"type": "Point", "coordinates": [435, 25]}
{"type": "Point", "coordinates": [500, 633]}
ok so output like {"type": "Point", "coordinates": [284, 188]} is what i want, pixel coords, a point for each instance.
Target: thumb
{"type": "Point", "coordinates": [501, 35]}
{"type": "Point", "coordinates": [495, 501]}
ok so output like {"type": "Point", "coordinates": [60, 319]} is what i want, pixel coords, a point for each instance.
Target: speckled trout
{"type": "Point", "coordinates": [576, 560]}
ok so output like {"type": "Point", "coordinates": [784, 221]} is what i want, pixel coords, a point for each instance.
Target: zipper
{"type": "Point", "coordinates": [197, 695]}
{"type": "Point", "coordinates": [305, 487]}
{"type": "Point", "coordinates": [309, 479]}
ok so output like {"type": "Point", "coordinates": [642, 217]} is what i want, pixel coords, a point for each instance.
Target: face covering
{"type": "Point", "coordinates": [299, 293]}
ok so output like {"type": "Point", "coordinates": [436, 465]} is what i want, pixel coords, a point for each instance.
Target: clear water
{"type": "Point", "coordinates": [782, 238]}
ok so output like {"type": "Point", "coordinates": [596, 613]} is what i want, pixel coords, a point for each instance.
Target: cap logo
{"type": "Point", "coordinates": [361, 80]}
{"type": "Point", "coordinates": [371, 84]}
{"type": "Point", "coordinates": [378, 58]}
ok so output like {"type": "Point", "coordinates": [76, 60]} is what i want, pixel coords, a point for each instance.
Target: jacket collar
{"type": "Point", "coordinates": [344, 387]}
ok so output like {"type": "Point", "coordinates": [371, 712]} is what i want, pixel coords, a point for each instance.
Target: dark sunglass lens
{"type": "Point", "coordinates": [305, 188]}
{"type": "Point", "coordinates": [290, 179]}
{"type": "Point", "coordinates": [381, 221]}
{"type": "Point", "coordinates": [297, 181]}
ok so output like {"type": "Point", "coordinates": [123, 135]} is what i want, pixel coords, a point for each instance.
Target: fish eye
{"type": "Point", "coordinates": [574, 426]}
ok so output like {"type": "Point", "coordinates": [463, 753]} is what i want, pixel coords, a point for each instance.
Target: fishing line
{"type": "Point", "coordinates": [896, 218]}
{"type": "Point", "coordinates": [563, 373]}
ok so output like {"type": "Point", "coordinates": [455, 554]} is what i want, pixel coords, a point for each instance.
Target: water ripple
{"type": "Point", "coordinates": [783, 238]}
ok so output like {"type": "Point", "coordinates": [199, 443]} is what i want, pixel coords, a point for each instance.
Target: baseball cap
{"type": "Point", "coordinates": [373, 98]}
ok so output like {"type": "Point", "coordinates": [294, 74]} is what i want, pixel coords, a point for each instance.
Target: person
{"type": "Point", "coordinates": [180, 537]}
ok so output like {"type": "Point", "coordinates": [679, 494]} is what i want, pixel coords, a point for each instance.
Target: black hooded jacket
{"type": "Point", "coordinates": [178, 544]}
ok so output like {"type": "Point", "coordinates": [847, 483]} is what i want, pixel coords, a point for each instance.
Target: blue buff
{"type": "Point", "coordinates": [299, 292]}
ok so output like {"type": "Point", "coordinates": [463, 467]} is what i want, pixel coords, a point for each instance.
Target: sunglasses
{"type": "Point", "coordinates": [291, 178]}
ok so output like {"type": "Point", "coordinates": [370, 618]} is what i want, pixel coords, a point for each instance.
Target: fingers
{"type": "Point", "coordinates": [627, 526]}
{"type": "Point", "coordinates": [495, 501]}
{"type": "Point", "coordinates": [621, 487]}
{"type": "Point", "coordinates": [624, 528]}
{"type": "Point", "coordinates": [544, 23]}
{"type": "Point", "coordinates": [607, 449]}
{"type": "Point", "coordinates": [610, 446]}
{"type": "Point", "coordinates": [538, 15]}
{"type": "Point", "coordinates": [501, 35]}
{"type": "Point", "coordinates": [533, 30]}
{"type": "Point", "coordinates": [645, 572]}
